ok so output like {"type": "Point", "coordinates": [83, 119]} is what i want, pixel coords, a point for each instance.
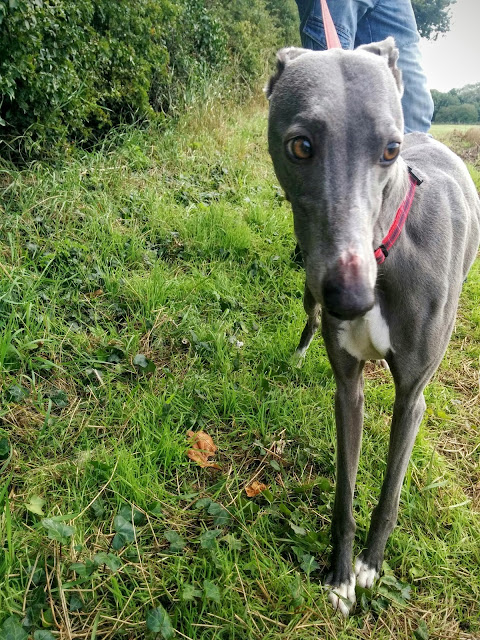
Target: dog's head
{"type": "Point", "coordinates": [335, 129]}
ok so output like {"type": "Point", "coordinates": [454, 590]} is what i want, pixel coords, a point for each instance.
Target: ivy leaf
{"type": "Point", "coordinates": [203, 503]}
{"type": "Point", "coordinates": [124, 532]}
{"type": "Point", "coordinates": [190, 593]}
{"type": "Point", "coordinates": [76, 603]}
{"type": "Point", "coordinates": [309, 563]}
{"type": "Point", "coordinates": [38, 576]}
{"type": "Point", "coordinates": [35, 505]}
{"type": "Point", "coordinates": [132, 515]}
{"type": "Point", "coordinates": [177, 543]}
{"type": "Point", "coordinates": [421, 632]}
{"type": "Point", "coordinates": [233, 543]}
{"type": "Point", "coordinates": [300, 531]}
{"type": "Point", "coordinates": [110, 560]}
{"type": "Point", "coordinates": [11, 629]}
{"type": "Point", "coordinates": [394, 590]}
{"type": "Point", "coordinates": [115, 356]}
{"type": "Point", "coordinates": [83, 569]}
{"type": "Point", "coordinates": [158, 621]}
{"type": "Point", "coordinates": [220, 515]}
{"type": "Point", "coordinates": [40, 634]}
{"type": "Point", "coordinates": [4, 448]}
{"type": "Point", "coordinates": [16, 393]}
{"type": "Point", "coordinates": [156, 509]}
{"type": "Point", "coordinates": [143, 363]}
{"type": "Point", "coordinates": [98, 508]}
{"type": "Point", "coordinates": [379, 605]}
{"type": "Point", "coordinates": [212, 592]}
{"type": "Point", "coordinates": [58, 530]}
{"type": "Point", "coordinates": [59, 398]}
{"type": "Point", "coordinates": [208, 539]}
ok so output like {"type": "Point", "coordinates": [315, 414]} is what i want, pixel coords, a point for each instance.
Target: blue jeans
{"type": "Point", "coordinates": [364, 21]}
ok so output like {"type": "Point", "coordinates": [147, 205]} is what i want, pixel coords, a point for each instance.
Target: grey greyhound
{"type": "Point", "coordinates": [336, 140]}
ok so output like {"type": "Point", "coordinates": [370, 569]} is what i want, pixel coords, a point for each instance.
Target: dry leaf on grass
{"type": "Point", "coordinates": [202, 449]}
{"type": "Point", "coordinates": [255, 489]}
{"type": "Point", "coordinates": [95, 294]}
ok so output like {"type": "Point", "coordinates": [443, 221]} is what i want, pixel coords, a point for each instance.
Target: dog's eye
{"type": "Point", "coordinates": [390, 152]}
{"type": "Point", "coordinates": [300, 148]}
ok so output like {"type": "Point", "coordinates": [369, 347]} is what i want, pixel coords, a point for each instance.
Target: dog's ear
{"type": "Point", "coordinates": [387, 49]}
{"type": "Point", "coordinates": [284, 57]}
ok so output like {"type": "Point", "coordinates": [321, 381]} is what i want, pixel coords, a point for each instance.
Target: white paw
{"type": "Point", "coordinates": [298, 357]}
{"type": "Point", "coordinates": [342, 597]}
{"type": "Point", "coordinates": [366, 575]}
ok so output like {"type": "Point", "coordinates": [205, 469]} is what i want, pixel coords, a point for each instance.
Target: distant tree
{"type": "Point", "coordinates": [441, 100]}
{"type": "Point", "coordinates": [457, 105]}
{"type": "Point", "coordinates": [457, 114]}
{"type": "Point", "coordinates": [469, 93]}
{"type": "Point", "coordinates": [433, 17]}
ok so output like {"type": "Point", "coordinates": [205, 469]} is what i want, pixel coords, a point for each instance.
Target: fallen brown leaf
{"type": "Point", "coordinates": [202, 449]}
{"type": "Point", "coordinates": [255, 489]}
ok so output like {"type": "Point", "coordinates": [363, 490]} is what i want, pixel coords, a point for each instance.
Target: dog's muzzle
{"type": "Point", "coordinates": [346, 290]}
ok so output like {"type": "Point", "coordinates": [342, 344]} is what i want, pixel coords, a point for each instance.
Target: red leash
{"type": "Point", "coordinates": [333, 42]}
{"type": "Point", "coordinates": [331, 34]}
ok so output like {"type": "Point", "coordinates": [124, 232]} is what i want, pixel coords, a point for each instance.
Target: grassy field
{"type": "Point", "coordinates": [147, 289]}
{"type": "Point", "coordinates": [443, 130]}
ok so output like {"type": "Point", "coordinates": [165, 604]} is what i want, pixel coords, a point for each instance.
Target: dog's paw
{"type": "Point", "coordinates": [298, 357]}
{"type": "Point", "coordinates": [365, 574]}
{"type": "Point", "coordinates": [342, 597]}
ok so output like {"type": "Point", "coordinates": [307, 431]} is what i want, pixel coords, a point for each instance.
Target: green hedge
{"type": "Point", "coordinates": [72, 69]}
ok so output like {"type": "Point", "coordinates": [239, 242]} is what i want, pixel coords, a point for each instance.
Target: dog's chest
{"type": "Point", "coordinates": [366, 338]}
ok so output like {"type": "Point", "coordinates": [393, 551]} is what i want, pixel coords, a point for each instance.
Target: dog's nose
{"type": "Point", "coordinates": [347, 303]}
{"type": "Point", "coordinates": [346, 292]}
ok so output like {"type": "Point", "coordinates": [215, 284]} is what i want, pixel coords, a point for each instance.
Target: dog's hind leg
{"type": "Point", "coordinates": [312, 309]}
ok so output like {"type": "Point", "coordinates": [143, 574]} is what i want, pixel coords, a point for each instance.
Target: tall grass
{"type": "Point", "coordinates": [147, 289]}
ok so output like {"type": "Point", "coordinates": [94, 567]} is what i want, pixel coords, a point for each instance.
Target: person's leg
{"type": "Point", "coordinates": [364, 21]}
{"type": "Point", "coordinates": [345, 14]}
{"type": "Point", "coordinates": [396, 18]}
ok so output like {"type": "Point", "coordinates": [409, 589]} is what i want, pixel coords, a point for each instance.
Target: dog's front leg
{"type": "Point", "coordinates": [407, 415]}
{"type": "Point", "coordinates": [349, 421]}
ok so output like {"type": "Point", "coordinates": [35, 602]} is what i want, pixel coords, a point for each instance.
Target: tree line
{"type": "Point", "coordinates": [457, 105]}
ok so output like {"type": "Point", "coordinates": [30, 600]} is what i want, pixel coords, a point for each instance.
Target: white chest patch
{"type": "Point", "coordinates": [365, 338]}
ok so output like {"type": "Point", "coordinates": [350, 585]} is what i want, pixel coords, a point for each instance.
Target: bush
{"type": "Point", "coordinates": [72, 69]}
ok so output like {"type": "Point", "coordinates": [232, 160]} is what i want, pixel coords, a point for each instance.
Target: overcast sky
{"type": "Point", "coordinates": [453, 60]}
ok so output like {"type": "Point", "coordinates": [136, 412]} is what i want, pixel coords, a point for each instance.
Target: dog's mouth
{"type": "Point", "coordinates": [347, 314]}
{"type": "Point", "coordinates": [347, 303]}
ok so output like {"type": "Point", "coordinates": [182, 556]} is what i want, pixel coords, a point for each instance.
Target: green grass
{"type": "Point", "coordinates": [464, 139]}
{"type": "Point", "coordinates": [176, 246]}
{"type": "Point", "coordinates": [439, 130]}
